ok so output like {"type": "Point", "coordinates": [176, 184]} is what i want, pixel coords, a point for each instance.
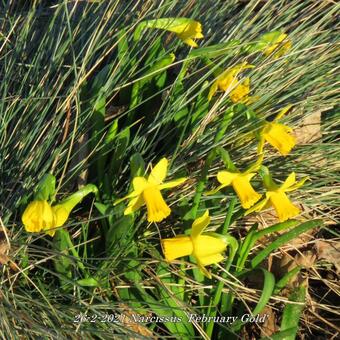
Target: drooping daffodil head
{"type": "Point", "coordinates": [278, 46]}
{"type": "Point", "coordinates": [276, 196]}
{"type": "Point", "coordinates": [277, 135]}
{"type": "Point", "coordinates": [38, 216]}
{"type": "Point", "coordinates": [228, 81]}
{"type": "Point", "coordinates": [240, 181]}
{"type": "Point", "coordinates": [206, 248]}
{"type": "Point", "coordinates": [147, 191]}
{"type": "Point", "coordinates": [186, 29]}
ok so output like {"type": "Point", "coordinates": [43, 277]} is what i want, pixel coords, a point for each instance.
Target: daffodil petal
{"type": "Point", "coordinates": [244, 190]}
{"type": "Point", "coordinates": [130, 195]}
{"type": "Point", "coordinates": [158, 173]}
{"type": "Point", "coordinates": [290, 180]}
{"type": "Point", "coordinates": [155, 204]}
{"type": "Point", "coordinates": [226, 177]}
{"type": "Point", "coordinates": [204, 271]}
{"type": "Point", "coordinates": [212, 90]}
{"type": "Point", "coordinates": [214, 191]}
{"type": "Point", "coordinates": [284, 208]}
{"type": "Point", "coordinates": [258, 206]}
{"type": "Point", "coordinates": [38, 216]}
{"type": "Point", "coordinates": [61, 215]}
{"type": "Point", "coordinates": [190, 42]}
{"type": "Point", "coordinates": [50, 232]}
{"type": "Point", "coordinates": [211, 259]}
{"type": "Point", "coordinates": [200, 224]}
{"type": "Point", "coordinates": [283, 112]}
{"type": "Point", "coordinates": [172, 184]}
{"type": "Point", "coordinates": [139, 184]}
{"type": "Point", "coordinates": [134, 205]}
{"type": "Point", "coordinates": [206, 245]}
{"type": "Point", "coordinates": [240, 92]}
{"type": "Point", "coordinates": [297, 185]}
{"type": "Point", "coordinates": [278, 135]}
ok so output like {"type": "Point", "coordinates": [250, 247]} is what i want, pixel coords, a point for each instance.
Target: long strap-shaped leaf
{"type": "Point", "coordinates": [284, 239]}
{"type": "Point", "coordinates": [267, 291]}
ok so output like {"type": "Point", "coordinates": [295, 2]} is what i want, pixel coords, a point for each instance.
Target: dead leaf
{"type": "Point", "coordinates": [269, 326]}
{"type": "Point", "coordinates": [330, 251]}
{"type": "Point", "coordinates": [309, 129]}
{"type": "Point", "coordinates": [128, 320]}
{"type": "Point", "coordinates": [4, 246]}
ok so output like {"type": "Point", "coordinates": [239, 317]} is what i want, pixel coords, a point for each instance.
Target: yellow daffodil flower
{"type": "Point", "coordinates": [206, 249]}
{"type": "Point", "coordinates": [276, 197]}
{"type": "Point", "coordinates": [185, 29]}
{"type": "Point", "coordinates": [280, 45]}
{"type": "Point", "coordinates": [241, 184]}
{"type": "Point", "coordinates": [148, 191]}
{"type": "Point", "coordinates": [227, 81]}
{"type": "Point", "coordinates": [187, 32]}
{"type": "Point", "coordinates": [240, 181]}
{"type": "Point", "coordinates": [39, 215]}
{"type": "Point", "coordinates": [278, 135]}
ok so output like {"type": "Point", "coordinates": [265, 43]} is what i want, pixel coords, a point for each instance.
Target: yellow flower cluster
{"type": "Point", "coordinates": [206, 248]}
{"type": "Point", "coordinates": [278, 135]}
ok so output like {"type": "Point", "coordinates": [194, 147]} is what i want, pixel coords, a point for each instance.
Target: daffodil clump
{"type": "Point", "coordinates": [41, 215]}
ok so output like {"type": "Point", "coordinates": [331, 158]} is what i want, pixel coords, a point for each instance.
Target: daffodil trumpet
{"type": "Point", "coordinates": [240, 181]}
{"type": "Point", "coordinates": [41, 216]}
{"type": "Point", "coordinates": [227, 81]}
{"type": "Point", "coordinates": [147, 191]}
{"type": "Point", "coordinates": [277, 135]}
{"type": "Point", "coordinates": [206, 248]}
{"type": "Point", "coordinates": [276, 196]}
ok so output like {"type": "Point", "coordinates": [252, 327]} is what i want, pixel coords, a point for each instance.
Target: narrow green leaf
{"type": "Point", "coordinates": [122, 143]}
{"type": "Point", "coordinates": [292, 312]}
{"type": "Point", "coordinates": [267, 291]}
{"type": "Point", "coordinates": [88, 282]}
{"type": "Point", "coordinates": [217, 50]}
{"type": "Point", "coordinates": [137, 165]}
{"type": "Point", "coordinates": [286, 278]}
{"type": "Point", "coordinates": [284, 239]}
{"type": "Point", "coordinates": [46, 188]}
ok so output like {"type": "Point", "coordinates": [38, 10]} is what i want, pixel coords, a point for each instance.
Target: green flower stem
{"type": "Point", "coordinates": [210, 158]}
{"type": "Point", "coordinates": [232, 252]}
{"type": "Point", "coordinates": [227, 220]}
